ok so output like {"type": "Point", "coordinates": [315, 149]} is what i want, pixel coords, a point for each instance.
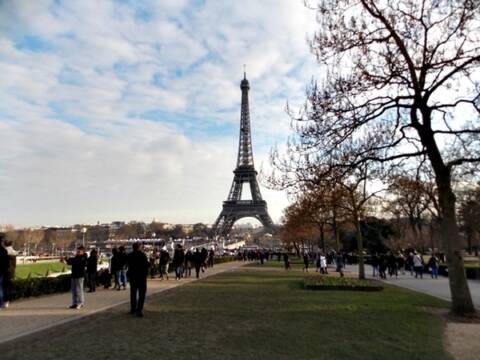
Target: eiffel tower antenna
{"type": "Point", "coordinates": [234, 208]}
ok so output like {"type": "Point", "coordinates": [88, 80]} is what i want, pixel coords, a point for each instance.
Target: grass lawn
{"type": "Point", "coordinates": [472, 265]}
{"type": "Point", "coordinates": [251, 314]}
{"type": "Point", "coordinates": [39, 269]}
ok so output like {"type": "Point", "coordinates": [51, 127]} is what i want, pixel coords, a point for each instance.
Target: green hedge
{"type": "Point", "coordinates": [24, 288]}
{"type": "Point", "coordinates": [340, 283]}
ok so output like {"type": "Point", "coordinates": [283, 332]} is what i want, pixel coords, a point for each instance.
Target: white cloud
{"type": "Point", "coordinates": [75, 141]}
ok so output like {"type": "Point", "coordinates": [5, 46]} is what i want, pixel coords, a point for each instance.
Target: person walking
{"type": "Point", "coordinates": [211, 256]}
{"type": "Point", "coordinates": [78, 264]}
{"type": "Point", "coordinates": [375, 263]}
{"type": "Point", "coordinates": [317, 262]}
{"type": "Point", "coordinates": [4, 264]}
{"type": "Point", "coordinates": [418, 265]}
{"type": "Point", "coordinates": [433, 265]}
{"type": "Point", "coordinates": [122, 268]}
{"type": "Point", "coordinates": [401, 263]}
{"type": "Point", "coordinates": [114, 267]}
{"type": "Point", "coordinates": [340, 264]}
{"type": "Point", "coordinates": [382, 266]}
{"type": "Point", "coordinates": [92, 263]}
{"type": "Point", "coordinates": [409, 263]}
{"type": "Point", "coordinates": [164, 262]}
{"type": "Point", "coordinates": [188, 263]}
{"type": "Point", "coordinates": [153, 261]}
{"type": "Point", "coordinates": [204, 253]}
{"type": "Point", "coordinates": [323, 264]}
{"type": "Point", "coordinates": [178, 261]}
{"type": "Point", "coordinates": [306, 262]}
{"type": "Point", "coordinates": [286, 261]}
{"type": "Point", "coordinates": [197, 262]}
{"type": "Point", "coordinates": [137, 264]}
{"type": "Point", "coordinates": [392, 265]}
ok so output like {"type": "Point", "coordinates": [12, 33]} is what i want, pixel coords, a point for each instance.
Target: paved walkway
{"type": "Point", "coordinates": [28, 316]}
{"type": "Point", "coordinates": [435, 287]}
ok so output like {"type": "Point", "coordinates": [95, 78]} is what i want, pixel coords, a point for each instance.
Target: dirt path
{"type": "Point", "coordinates": [462, 339]}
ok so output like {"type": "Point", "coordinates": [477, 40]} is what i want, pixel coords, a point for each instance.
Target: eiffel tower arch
{"type": "Point", "coordinates": [234, 208]}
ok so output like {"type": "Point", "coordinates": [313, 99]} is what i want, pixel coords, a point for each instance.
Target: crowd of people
{"type": "Point", "coordinates": [392, 264]}
{"type": "Point", "coordinates": [383, 265]}
{"type": "Point", "coordinates": [134, 267]}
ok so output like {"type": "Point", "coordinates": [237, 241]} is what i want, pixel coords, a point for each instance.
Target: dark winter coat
{"type": "Point", "coordinates": [164, 257]}
{"type": "Point", "coordinates": [138, 265]}
{"type": "Point", "coordinates": [178, 257]}
{"type": "Point", "coordinates": [4, 261]}
{"type": "Point", "coordinates": [78, 264]}
{"type": "Point", "coordinates": [92, 264]}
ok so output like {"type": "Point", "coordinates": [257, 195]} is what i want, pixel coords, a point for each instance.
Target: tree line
{"type": "Point", "coordinates": [398, 92]}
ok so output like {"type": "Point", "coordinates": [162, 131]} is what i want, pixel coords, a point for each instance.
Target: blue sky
{"type": "Point", "coordinates": [130, 109]}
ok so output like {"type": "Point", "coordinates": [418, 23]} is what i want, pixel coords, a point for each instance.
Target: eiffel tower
{"type": "Point", "coordinates": [234, 208]}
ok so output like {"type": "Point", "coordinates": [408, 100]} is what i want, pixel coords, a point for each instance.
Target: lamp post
{"type": "Point", "coordinates": [84, 230]}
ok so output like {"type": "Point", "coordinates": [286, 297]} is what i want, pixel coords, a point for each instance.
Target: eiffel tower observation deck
{"type": "Point", "coordinates": [234, 208]}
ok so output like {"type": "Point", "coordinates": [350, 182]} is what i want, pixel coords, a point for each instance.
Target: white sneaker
{"type": "Point", "coordinates": [6, 304]}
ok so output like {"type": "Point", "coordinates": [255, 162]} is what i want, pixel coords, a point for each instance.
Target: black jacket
{"type": "Point", "coordinates": [4, 261]}
{"type": "Point", "coordinates": [137, 265]}
{"type": "Point", "coordinates": [78, 264]}
{"type": "Point", "coordinates": [164, 257]}
{"type": "Point", "coordinates": [197, 258]}
{"type": "Point", "coordinates": [178, 257]}
{"type": "Point", "coordinates": [92, 264]}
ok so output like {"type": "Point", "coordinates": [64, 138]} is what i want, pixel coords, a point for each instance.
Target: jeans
{"type": "Point", "coordinates": [138, 289]}
{"type": "Point", "coordinates": [434, 272]}
{"type": "Point", "coordinates": [375, 271]}
{"type": "Point", "coordinates": [78, 296]}
{"type": "Point", "coordinates": [179, 271]}
{"type": "Point", "coordinates": [1, 290]}
{"type": "Point", "coordinates": [164, 270]}
{"type": "Point", "coordinates": [418, 271]}
{"type": "Point", "coordinates": [121, 276]}
{"type": "Point", "coordinates": [92, 281]}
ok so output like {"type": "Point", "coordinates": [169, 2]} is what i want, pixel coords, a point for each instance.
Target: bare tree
{"type": "Point", "coordinates": [469, 215]}
{"type": "Point", "coordinates": [401, 82]}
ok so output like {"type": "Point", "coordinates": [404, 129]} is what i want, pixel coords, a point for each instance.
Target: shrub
{"type": "Point", "coordinates": [340, 283]}
{"type": "Point", "coordinates": [24, 288]}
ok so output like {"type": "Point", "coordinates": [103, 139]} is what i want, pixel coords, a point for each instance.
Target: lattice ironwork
{"type": "Point", "coordinates": [234, 208]}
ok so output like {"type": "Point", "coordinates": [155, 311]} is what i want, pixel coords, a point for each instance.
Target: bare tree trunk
{"type": "Point", "coordinates": [335, 229]}
{"type": "Point", "coordinates": [461, 299]}
{"type": "Point", "coordinates": [295, 246]}
{"type": "Point", "coordinates": [322, 239]}
{"type": "Point", "coordinates": [356, 220]}
{"type": "Point", "coordinates": [432, 242]}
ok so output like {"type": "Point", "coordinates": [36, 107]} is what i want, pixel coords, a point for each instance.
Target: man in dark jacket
{"type": "Point", "coordinates": [137, 273]}
{"type": "Point", "coordinates": [121, 275]}
{"type": "Point", "coordinates": [164, 262]}
{"type": "Point", "coordinates": [4, 263]}
{"type": "Point", "coordinates": [211, 256]}
{"type": "Point", "coordinates": [198, 262]}
{"type": "Point", "coordinates": [92, 263]}
{"type": "Point", "coordinates": [178, 261]}
{"type": "Point", "coordinates": [78, 264]}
